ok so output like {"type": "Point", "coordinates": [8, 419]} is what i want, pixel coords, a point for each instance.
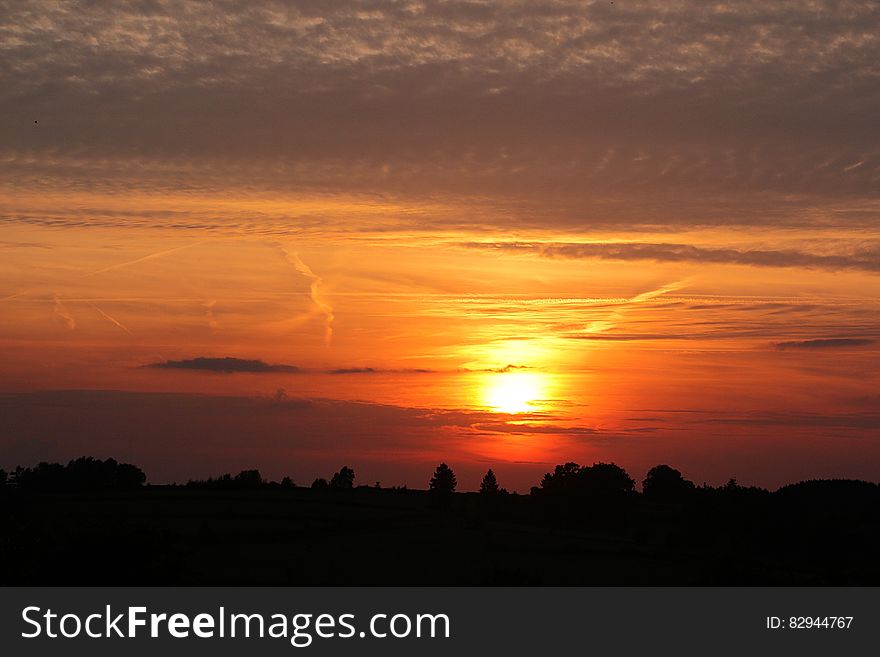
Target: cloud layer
{"type": "Point", "coordinates": [825, 343]}
{"type": "Point", "coordinates": [863, 258]}
{"type": "Point", "coordinates": [548, 112]}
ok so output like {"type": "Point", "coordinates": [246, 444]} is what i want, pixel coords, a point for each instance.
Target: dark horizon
{"type": "Point", "coordinates": [182, 436]}
{"type": "Point", "coordinates": [583, 525]}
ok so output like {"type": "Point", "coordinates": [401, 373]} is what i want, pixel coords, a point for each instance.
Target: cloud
{"type": "Point", "coordinates": [583, 432]}
{"type": "Point", "coordinates": [227, 365]}
{"type": "Point", "coordinates": [571, 113]}
{"type": "Point", "coordinates": [825, 343]}
{"type": "Point", "coordinates": [865, 258]}
{"type": "Point", "coordinates": [375, 370]}
{"type": "Point", "coordinates": [500, 370]}
{"type": "Point", "coordinates": [859, 420]}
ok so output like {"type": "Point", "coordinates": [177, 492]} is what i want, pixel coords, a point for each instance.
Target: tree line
{"type": "Point", "coordinates": [606, 480]}
{"type": "Point", "coordinates": [568, 482]}
{"type": "Point", "coordinates": [82, 474]}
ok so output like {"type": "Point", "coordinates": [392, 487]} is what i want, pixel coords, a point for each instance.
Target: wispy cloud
{"type": "Point", "coordinates": [376, 370]}
{"type": "Point", "coordinates": [825, 343]}
{"type": "Point", "coordinates": [866, 258]}
{"type": "Point", "coordinates": [803, 419]}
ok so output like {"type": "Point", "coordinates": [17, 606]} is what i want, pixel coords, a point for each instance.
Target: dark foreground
{"type": "Point", "coordinates": [816, 533]}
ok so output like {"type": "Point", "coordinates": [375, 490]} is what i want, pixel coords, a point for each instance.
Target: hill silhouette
{"type": "Point", "coordinates": [98, 522]}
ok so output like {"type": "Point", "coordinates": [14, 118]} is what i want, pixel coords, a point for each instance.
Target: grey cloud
{"type": "Point", "coordinates": [839, 420]}
{"type": "Point", "coordinates": [227, 365]}
{"type": "Point", "coordinates": [825, 343]}
{"type": "Point", "coordinates": [505, 427]}
{"type": "Point", "coordinates": [865, 258]}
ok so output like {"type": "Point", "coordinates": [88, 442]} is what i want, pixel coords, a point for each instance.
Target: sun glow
{"type": "Point", "coordinates": [515, 392]}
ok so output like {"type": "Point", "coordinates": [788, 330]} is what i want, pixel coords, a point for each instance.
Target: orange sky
{"type": "Point", "coordinates": [502, 239]}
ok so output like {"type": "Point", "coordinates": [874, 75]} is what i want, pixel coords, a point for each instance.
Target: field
{"type": "Point", "coordinates": [299, 536]}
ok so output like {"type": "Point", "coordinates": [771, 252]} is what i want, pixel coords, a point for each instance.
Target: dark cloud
{"type": "Point", "coordinates": [858, 420]}
{"type": "Point", "coordinates": [501, 370]}
{"type": "Point", "coordinates": [825, 343]}
{"type": "Point", "coordinates": [506, 427]}
{"type": "Point", "coordinates": [227, 365]}
{"type": "Point", "coordinates": [864, 258]}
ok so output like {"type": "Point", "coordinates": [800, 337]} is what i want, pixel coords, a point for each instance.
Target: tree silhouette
{"type": "Point", "coordinates": [287, 482]}
{"type": "Point", "coordinates": [489, 485]}
{"type": "Point", "coordinates": [248, 479]}
{"type": "Point", "coordinates": [82, 474]}
{"type": "Point", "coordinates": [562, 479]}
{"type": "Point", "coordinates": [343, 480]}
{"type": "Point", "coordinates": [2, 477]}
{"type": "Point", "coordinates": [320, 484]}
{"type": "Point", "coordinates": [600, 480]}
{"type": "Point", "coordinates": [443, 481]}
{"type": "Point", "coordinates": [666, 483]}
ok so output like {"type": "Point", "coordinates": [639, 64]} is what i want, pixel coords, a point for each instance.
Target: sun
{"type": "Point", "coordinates": [514, 392]}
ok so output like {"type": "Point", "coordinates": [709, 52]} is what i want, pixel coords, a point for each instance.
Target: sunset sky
{"type": "Point", "coordinates": [298, 235]}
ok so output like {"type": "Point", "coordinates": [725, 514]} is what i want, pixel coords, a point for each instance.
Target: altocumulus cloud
{"type": "Point", "coordinates": [227, 365]}
{"type": "Point", "coordinates": [572, 112]}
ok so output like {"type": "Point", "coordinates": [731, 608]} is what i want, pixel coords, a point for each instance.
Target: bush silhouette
{"type": "Point", "coordinates": [343, 480]}
{"type": "Point", "coordinates": [664, 483]}
{"type": "Point", "coordinates": [489, 485]}
{"type": "Point", "coordinates": [287, 482]}
{"type": "Point", "coordinates": [443, 481]}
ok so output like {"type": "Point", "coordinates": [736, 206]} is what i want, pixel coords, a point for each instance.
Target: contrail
{"type": "Point", "coordinates": [62, 312]}
{"type": "Point", "coordinates": [107, 317]}
{"type": "Point", "coordinates": [149, 256]}
{"type": "Point", "coordinates": [659, 292]}
{"type": "Point", "coordinates": [119, 265]}
{"type": "Point", "coordinates": [315, 291]}
{"type": "Point", "coordinates": [615, 316]}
